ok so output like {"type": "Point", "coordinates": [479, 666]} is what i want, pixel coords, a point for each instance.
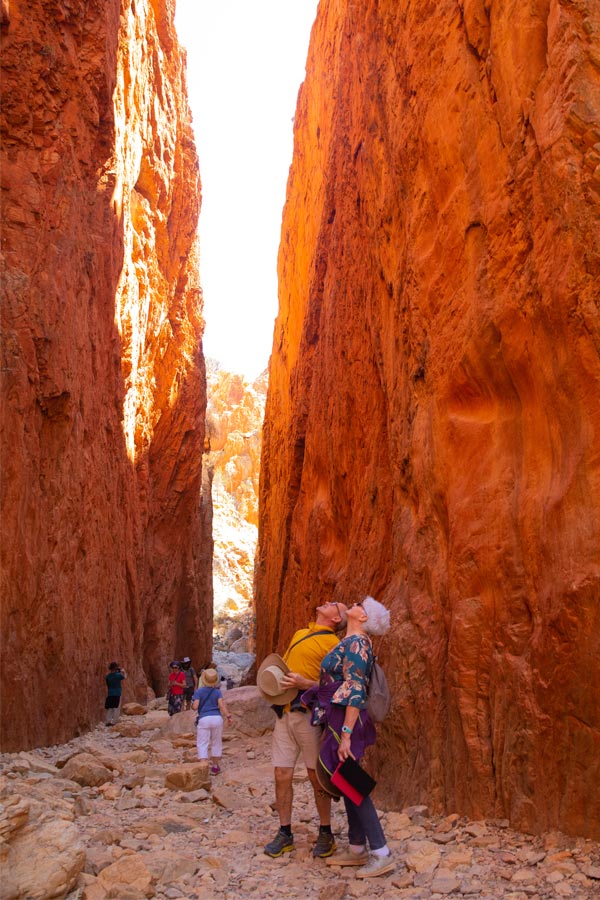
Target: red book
{"type": "Point", "coordinates": [352, 781]}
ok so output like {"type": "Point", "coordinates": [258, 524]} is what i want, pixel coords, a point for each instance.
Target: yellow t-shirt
{"type": "Point", "coordinates": [306, 657]}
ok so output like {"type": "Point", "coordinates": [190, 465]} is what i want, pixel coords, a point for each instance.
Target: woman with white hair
{"type": "Point", "coordinates": [339, 703]}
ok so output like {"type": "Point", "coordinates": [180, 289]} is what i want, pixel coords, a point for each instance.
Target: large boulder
{"type": "Point", "coordinates": [188, 777]}
{"type": "Point", "coordinates": [181, 723]}
{"type": "Point", "coordinates": [133, 709]}
{"type": "Point", "coordinates": [86, 770]}
{"type": "Point", "coordinates": [128, 875]}
{"type": "Point", "coordinates": [41, 854]}
{"type": "Point", "coordinates": [251, 713]}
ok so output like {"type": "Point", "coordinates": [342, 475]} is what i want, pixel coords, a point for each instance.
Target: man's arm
{"type": "Point", "coordinates": [294, 679]}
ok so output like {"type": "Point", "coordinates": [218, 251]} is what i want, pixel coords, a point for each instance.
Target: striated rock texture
{"type": "Point", "coordinates": [234, 418]}
{"type": "Point", "coordinates": [106, 547]}
{"type": "Point", "coordinates": [432, 422]}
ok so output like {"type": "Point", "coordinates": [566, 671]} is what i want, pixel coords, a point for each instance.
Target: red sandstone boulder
{"type": "Point", "coordinates": [188, 776]}
{"type": "Point", "coordinates": [86, 769]}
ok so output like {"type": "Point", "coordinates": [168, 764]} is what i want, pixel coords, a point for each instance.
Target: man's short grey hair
{"type": "Point", "coordinates": [378, 617]}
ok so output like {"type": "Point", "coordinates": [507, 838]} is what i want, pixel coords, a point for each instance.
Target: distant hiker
{"type": "Point", "coordinates": [211, 707]}
{"type": "Point", "coordinates": [191, 682]}
{"type": "Point", "coordinates": [176, 688]}
{"type": "Point", "coordinates": [114, 680]}
{"type": "Point", "coordinates": [281, 682]}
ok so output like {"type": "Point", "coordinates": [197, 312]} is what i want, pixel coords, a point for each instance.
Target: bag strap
{"type": "Point", "coordinates": [206, 699]}
{"type": "Point", "coordinates": [373, 659]}
{"type": "Point", "coordinates": [299, 641]}
{"type": "Point", "coordinates": [306, 637]}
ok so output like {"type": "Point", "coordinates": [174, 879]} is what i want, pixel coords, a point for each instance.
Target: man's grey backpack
{"type": "Point", "coordinates": [378, 694]}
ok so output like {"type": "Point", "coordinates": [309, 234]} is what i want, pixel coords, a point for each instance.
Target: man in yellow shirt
{"type": "Point", "coordinates": [294, 735]}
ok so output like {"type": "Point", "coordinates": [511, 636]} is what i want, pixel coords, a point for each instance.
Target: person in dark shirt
{"type": "Point", "coordinates": [114, 681]}
{"type": "Point", "coordinates": [191, 682]}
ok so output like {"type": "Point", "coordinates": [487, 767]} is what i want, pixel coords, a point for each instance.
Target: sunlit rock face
{"type": "Point", "coordinates": [432, 422]}
{"type": "Point", "coordinates": [106, 548]}
{"type": "Point", "coordinates": [234, 438]}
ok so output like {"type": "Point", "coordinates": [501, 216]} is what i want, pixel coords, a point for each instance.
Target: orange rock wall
{"type": "Point", "coordinates": [432, 430]}
{"type": "Point", "coordinates": [106, 546]}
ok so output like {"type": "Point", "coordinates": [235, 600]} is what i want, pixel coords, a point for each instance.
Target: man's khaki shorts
{"type": "Point", "coordinates": [294, 735]}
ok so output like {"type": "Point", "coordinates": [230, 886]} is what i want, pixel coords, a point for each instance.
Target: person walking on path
{"type": "Point", "coordinates": [176, 688]}
{"type": "Point", "coordinates": [293, 733]}
{"type": "Point", "coordinates": [212, 709]}
{"type": "Point", "coordinates": [191, 682]}
{"type": "Point", "coordinates": [114, 686]}
{"type": "Point", "coordinates": [339, 704]}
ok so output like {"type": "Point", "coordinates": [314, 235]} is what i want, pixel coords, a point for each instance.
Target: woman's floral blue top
{"type": "Point", "coordinates": [350, 663]}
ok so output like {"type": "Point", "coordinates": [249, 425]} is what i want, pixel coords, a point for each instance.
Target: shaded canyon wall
{"type": "Point", "coordinates": [432, 430]}
{"type": "Point", "coordinates": [106, 535]}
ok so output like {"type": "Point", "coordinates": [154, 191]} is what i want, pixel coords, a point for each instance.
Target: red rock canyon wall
{"type": "Point", "coordinates": [106, 546]}
{"type": "Point", "coordinates": [432, 430]}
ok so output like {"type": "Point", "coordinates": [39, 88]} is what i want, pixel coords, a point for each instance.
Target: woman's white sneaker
{"type": "Point", "coordinates": [377, 865]}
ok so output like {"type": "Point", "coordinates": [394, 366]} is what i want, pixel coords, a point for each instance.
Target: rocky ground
{"type": "Point", "coordinates": [128, 813]}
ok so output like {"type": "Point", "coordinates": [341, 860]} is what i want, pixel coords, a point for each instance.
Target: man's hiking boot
{"type": "Point", "coordinates": [325, 845]}
{"type": "Point", "coordinates": [281, 843]}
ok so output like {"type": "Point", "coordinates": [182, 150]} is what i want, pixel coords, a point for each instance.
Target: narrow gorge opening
{"type": "Point", "coordinates": [245, 64]}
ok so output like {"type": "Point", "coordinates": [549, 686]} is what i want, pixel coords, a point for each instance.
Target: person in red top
{"type": "Point", "coordinates": [176, 688]}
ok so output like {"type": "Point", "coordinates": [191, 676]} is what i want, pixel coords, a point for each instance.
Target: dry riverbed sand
{"type": "Point", "coordinates": [128, 813]}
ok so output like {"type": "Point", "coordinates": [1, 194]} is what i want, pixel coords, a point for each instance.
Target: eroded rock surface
{"type": "Point", "coordinates": [431, 431]}
{"type": "Point", "coordinates": [106, 550]}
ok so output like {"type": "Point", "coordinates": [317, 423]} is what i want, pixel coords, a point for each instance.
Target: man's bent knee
{"type": "Point", "coordinates": [284, 774]}
{"type": "Point", "coordinates": [313, 776]}
{"type": "Point", "coordinates": [315, 783]}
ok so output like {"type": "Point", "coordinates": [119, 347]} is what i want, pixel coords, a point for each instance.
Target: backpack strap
{"type": "Point", "coordinates": [289, 650]}
{"type": "Point", "coordinates": [306, 637]}
{"type": "Point", "coordinates": [200, 708]}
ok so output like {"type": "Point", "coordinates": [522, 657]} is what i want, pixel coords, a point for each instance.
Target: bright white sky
{"type": "Point", "coordinates": [246, 61]}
